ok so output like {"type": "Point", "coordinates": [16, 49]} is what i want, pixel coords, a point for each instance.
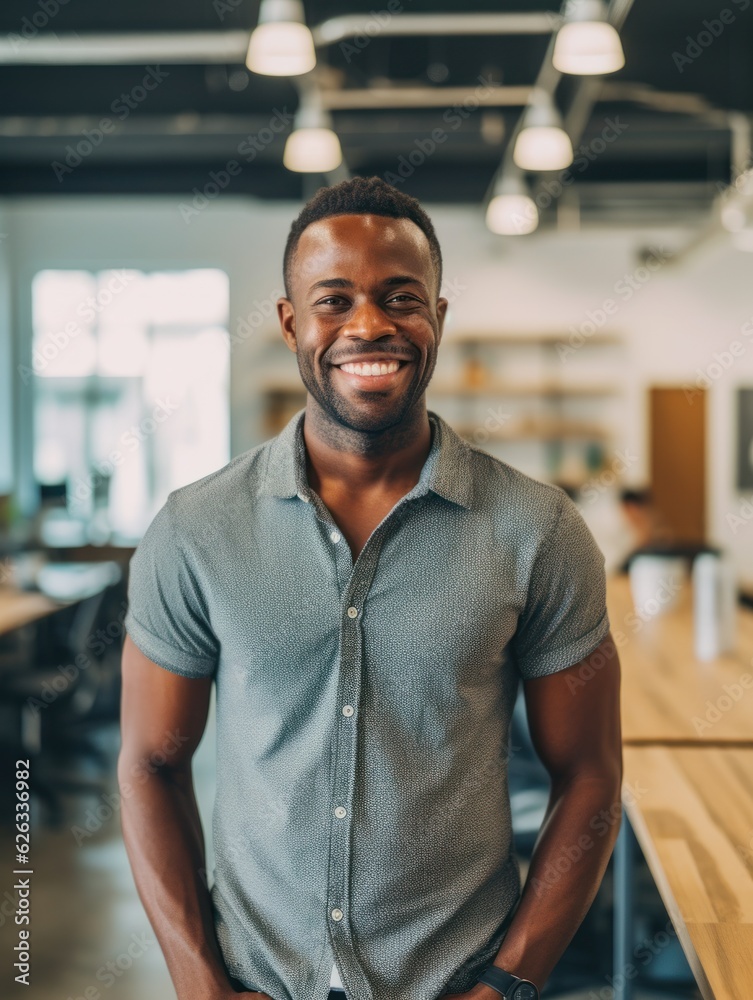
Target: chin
{"type": "Point", "coordinates": [367, 418]}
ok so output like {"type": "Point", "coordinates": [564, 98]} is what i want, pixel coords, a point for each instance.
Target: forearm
{"type": "Point", "coordinates": [567, 867]}
{"type": "Point", "coordinates": [165, 845]}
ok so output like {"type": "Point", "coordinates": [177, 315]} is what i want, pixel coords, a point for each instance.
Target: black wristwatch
{"type": "Point", "coordinates": [511, 987]}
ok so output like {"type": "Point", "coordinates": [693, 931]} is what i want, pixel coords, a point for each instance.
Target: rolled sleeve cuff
{"type": "Point", "coordinates": [553, 660]}
{"type": "Point", "coordinates": [166, 656]}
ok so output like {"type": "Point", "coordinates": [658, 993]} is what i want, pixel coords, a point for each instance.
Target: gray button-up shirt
{"type": "Point", "coordinates": [362, 814]}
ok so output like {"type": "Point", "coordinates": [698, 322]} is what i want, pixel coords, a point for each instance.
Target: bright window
{"type": "Point", "coordinates": [131, 389]}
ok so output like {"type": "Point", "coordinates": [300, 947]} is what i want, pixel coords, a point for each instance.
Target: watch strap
{"type": "Point", "coordinates": [501, 981]}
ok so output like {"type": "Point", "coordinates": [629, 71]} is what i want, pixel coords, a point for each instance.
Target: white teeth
{"type": "Point", "coordinates": [370, 368]}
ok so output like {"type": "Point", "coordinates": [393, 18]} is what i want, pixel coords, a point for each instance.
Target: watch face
{"type": "Point", "coordinates": [525, 991]}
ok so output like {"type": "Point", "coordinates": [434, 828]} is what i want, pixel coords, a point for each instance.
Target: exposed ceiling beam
{"type": "Point", "coordinates": [669, 101]}
{"type": "Point", "coordinates": [422, 97]}
{"type": "Point", "coordinates": [124, 48]}
{"type": "Point", "coordinates": [198, 47]}
{"type": "Point", "coordinates": [337, 29]}
{"type": "Point", "coordinates": [548, 79]}
{"type": "Point", "coordinates": [737, 196]}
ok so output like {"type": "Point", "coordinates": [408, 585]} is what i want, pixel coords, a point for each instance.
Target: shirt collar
{"type": "Point", "coordinates": [447, 470]}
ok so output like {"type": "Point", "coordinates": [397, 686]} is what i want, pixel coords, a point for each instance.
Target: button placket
{"type": "Point", "coordinates": [357, 578]}
{"type": "Point", "coordinates": [336, 543]}
{"type": "Point", "coordinates": [344, 763]}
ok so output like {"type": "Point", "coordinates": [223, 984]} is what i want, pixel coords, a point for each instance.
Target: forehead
{"type": "Point", "coordinates": [361, 247]}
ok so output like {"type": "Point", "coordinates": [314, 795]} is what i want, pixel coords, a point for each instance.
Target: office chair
{"type": "Point", "coordinates": [51, 709]}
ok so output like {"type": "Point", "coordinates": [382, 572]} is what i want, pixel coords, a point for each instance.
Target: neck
{"type": "Point", "coordinates": [354, 461]}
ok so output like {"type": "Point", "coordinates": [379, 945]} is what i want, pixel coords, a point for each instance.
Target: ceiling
{"type": "Point", "coordinates": [683, 121]}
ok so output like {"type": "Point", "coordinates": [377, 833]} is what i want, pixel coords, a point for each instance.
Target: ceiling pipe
{"type": "Point", "coordinates": [737, 196]}
{"type": "Point", "coordinates": [199, 47]}
{"type": "Point", "coordinates": [423, 97]}
{"type": "Point", "coordinates": [338, 29]}
{"type": "Point", "coordinates": [587, 91]}
{"type": "Point", "coordinates": [129, 48]}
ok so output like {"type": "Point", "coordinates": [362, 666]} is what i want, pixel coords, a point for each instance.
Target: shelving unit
{"type": "Point", "coordinates": [513, 395]}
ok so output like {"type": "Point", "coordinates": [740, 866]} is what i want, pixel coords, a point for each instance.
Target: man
{"type": "Point", "coordinates": [367, 590]}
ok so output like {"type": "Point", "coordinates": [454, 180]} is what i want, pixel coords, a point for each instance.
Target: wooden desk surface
{"type": "Point", "coordinates": [692, 812]}
{"type": "Point", "coordinates": [668, 696]}
{"type": "Point", "coordinates": [20, 607]}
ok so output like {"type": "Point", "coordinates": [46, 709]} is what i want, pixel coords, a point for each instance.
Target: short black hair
{"type": "Point", "coordinates": [361, 196]}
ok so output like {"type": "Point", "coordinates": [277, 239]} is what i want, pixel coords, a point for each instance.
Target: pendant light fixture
{"type": "Point", "coordinates": [281, 44]}
{"type": "Point", "coordinates": [313, 146]}
{"type": "Point", "coordinates": [587, 44]}
{"type": "Point", "coordinates": [542, 142]}
{"type": "Point", "coordinates": [511, 210]}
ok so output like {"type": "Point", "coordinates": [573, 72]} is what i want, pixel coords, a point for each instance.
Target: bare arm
{"type": "Point", "coordinates": [163, 717]}
{"type": "Point", "coordinates": [574, 717]}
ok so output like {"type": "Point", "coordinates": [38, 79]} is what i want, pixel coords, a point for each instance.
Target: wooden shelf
{"type": "Point", "coordinates": [474, 380]}
{"type": "Point", "coordinates": [522, 389]}
{"type": "Point", "coordinates": [284, 388]}
{"type": "Point", "coordinates": [548, 339]}
{"type": "Point", "coordinates": [538, 431]}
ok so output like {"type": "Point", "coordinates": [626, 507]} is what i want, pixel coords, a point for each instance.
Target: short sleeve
{"type": "Point", "coordinates": [166, 615]}
{"type": "Point", "coordinates": [565, 616]}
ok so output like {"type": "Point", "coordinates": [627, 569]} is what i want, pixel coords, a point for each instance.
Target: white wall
{"type": "Point", "coordinates": [681, 314]}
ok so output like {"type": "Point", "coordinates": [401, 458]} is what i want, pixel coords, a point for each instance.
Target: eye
{"type": "Point", "coordinates": [329, 300]}
{"type": "Point", "coordinates": [402, 296]}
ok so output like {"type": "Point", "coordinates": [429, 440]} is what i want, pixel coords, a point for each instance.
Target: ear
{"type": "Point", "coordinates": [286, 316]}
{"type": "Point", "coordinates": [441, 314]}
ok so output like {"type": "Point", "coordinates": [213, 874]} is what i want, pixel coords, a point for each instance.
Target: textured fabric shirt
{"type": "Point", "coordinates": [362, 813]}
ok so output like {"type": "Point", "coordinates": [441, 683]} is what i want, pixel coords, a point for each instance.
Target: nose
{"type": "Point", "coordinates": [368, 322]}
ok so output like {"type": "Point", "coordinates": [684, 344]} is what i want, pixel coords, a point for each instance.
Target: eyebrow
{"type": "Point", "coordinates": [398, 279]}
{"type": "Point", "coordinates": [332, 283]}
{"type": "Point", "coordinates": [405, 279]}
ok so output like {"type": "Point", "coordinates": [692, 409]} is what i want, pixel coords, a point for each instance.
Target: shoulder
{"type": "Point", "coordinates": [219, 498]}
{"type": "Point", "coordinates": [516, 499]}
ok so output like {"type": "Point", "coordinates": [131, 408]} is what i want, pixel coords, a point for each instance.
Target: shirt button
{"type": "Point", "coordinates": [348, 710]}
{"type": "Point", "coordinates": [337, 914]}
{"type": "Point", "coordinates": [302, 497]}
{"type": "Point", "coordinates": [340, 812]}
{"type": "Point", "coordinates": [335, 536]}
{"type": "Point", "coordinates": [352, 612]}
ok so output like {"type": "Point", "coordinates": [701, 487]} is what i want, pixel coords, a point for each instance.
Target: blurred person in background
{"type": "Point", "coordinates": [637, 509]}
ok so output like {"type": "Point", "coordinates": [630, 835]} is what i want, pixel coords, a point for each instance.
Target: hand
{"type": "Point", "coordinates": [233, 994]}
{"type": "Point", "coordinates": [478, 992]}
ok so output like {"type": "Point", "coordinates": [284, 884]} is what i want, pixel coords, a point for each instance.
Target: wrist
{"type": "Point", "coordinates": [507, 984]}
{"type": "Point", "coordinates": [483, 992]}
{"type": "Point", "coordinates": [210, 986]}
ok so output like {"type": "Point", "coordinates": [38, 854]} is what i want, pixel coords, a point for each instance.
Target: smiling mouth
{"type": "Point", "coordinates": [371, 369]}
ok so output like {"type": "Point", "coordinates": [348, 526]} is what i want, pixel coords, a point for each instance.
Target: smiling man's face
{"type": "Point", "coordinates": [364, 318]}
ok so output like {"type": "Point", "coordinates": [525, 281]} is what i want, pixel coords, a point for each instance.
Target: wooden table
{"type": "Point", "coordinates": [692, 812]}
{"type": "Point", "coordinates": [21, 607]}
{"type": "Point", "coordinates": [687, 728]}
{"type": "Point", "coordinates": [668, 696]}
